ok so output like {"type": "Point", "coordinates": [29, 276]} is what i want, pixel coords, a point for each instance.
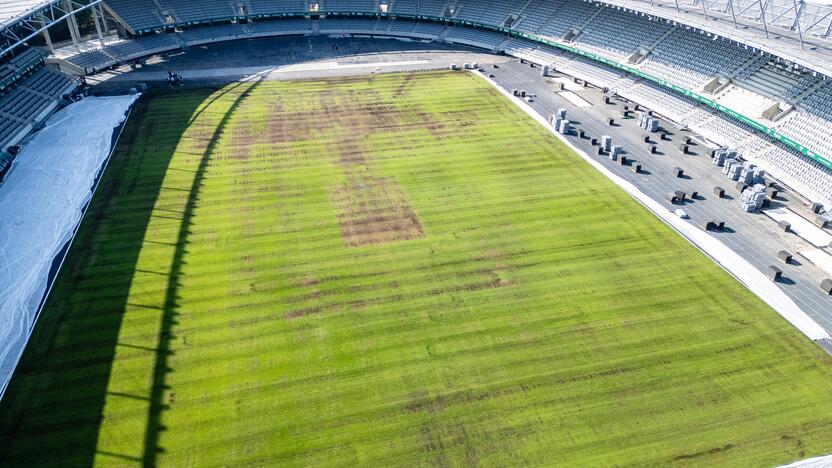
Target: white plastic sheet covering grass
{"type": "Point", "coordinates": [816, 462]}
{"type": "Point", "coordinates": [41, 204]}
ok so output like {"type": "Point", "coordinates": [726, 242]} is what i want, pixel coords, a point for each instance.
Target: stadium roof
{"type": "Point", "coordinates": [21, 20]}
{"type": "Point", "coordinates": [12, 10]}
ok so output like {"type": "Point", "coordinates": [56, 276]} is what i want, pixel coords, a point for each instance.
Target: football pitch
{"type": "Point", "coordinates": [388, 270]}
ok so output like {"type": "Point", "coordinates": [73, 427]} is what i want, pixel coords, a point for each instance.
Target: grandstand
{"type": "Point", "coordinates": [716, 86]}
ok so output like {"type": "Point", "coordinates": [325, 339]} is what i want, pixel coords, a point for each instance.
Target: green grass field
{"type": "Point", "coordinates": [393, 270]}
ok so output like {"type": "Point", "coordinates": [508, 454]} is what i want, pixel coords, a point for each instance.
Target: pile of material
{"type": "Point", "coordinates": [651, 124]}
{"type": "Point", "coordinates": [752, 198]}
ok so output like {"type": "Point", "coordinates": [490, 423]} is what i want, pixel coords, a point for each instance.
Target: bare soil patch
{"type": "Point", "coordinates": [373, 210]}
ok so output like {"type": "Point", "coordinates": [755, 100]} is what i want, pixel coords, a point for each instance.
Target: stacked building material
{"type": "Point", "coordinates": [555, 120]}
{"type": "Point", "coordinates": [606, 142]}
{"type": "Point", "coordinates": [747, 174]}
{"type": "Point", "coordinates": [732, 169]}
{"type": "Point", "coordinates": [651, 124]}
{"type": "Point", "coordinates": [752, 198]}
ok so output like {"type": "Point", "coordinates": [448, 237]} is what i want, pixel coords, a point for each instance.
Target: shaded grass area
{"type": "Point", "coordinates": [393, 270]}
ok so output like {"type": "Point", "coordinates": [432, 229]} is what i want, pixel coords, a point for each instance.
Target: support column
{"type": "Point", "coordinates": [103, 17]}
{"type": "Point", "coordinates": [797, 12]}
{"type": "Point", "coordinates": [733, 16]}
{"type": "Point", "coordinates": [763, 16]}
{"type": "Point", "coordinates": [48, 38]}
{"type": "Point", "coordinates": [73, 25]}
{"type": "Point", "coordinates": [97, 26]}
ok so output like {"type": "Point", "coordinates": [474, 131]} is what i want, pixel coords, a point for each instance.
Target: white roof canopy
{"type": "Point", "coordinates": [11, 10]}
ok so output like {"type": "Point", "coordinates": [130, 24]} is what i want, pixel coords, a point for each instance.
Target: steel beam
{"type": "Point", "coordinates": [763, 15]}
{"type": "Point", "coordinates": [35, 22]}
{"type": "Point", "coordinates": [733, 16]}
{"type": "Point", "coordinates": [797, 12]}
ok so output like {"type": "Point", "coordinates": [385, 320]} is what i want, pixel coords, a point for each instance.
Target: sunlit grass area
{"type": "Point", "coordinates": [393, 270]}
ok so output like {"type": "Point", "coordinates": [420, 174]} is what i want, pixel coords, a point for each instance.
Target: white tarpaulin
{"type": "Point", "coordinates": [816, 462]}
{"type": "Point", "coordinates": [41, 205]}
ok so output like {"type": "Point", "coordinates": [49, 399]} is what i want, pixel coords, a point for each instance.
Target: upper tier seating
{"type": "Point", "coordinates": [609, 36]}
{"type": "Point", "coordinates": [570, 15]}
{"type": "Point", "coordinates": [478, 37]}
{"type": "Point", "coordinates": [404, 7]}
{"type": "Point", "coordinates": [270, 7]}
{"type": "Point", "coordinates": [140, 14]}
{"type": "Point", "coordinates": [750, 69]}
{"type": "Point", "coordinates": [187, 11]}
{"type": "Point", "coordinates": [537, 13]}
{"type": "Point", "coordinates": [820, 101]}
{"type": "Point", "coordinates": [344, 6]}
{"type": "Point", "coordinates": [485, 11]}
{"type": "Point", "coordinates": [434, 8]}
{"type": "Point", "coordinates": [689, 59]}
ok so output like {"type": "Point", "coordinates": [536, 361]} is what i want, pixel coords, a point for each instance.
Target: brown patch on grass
{"type": "Point", "coordinates": [242, 138]}
{"type": "Point", "coordinates": [374, 211]}
{"type": "Point", "coordinates": [302, 313]}
{"type": "Point", "coordinates": [199, 135]}
{"type": "Point", "coordinates": [715, 450]}
{"type": "Point", "coordinates": [475, 286]}
{"type": "Point", "coordinates": [403, 86]}
{"type": "Point", "coordinates": [488, 272]}
{"type": "Point", "coordinates": [371, 209]}
{"type": "Point", "coordinates": [309, 282]}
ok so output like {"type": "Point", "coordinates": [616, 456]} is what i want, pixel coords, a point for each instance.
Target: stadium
{"type": "Point", "coordinates": [415, 232]}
